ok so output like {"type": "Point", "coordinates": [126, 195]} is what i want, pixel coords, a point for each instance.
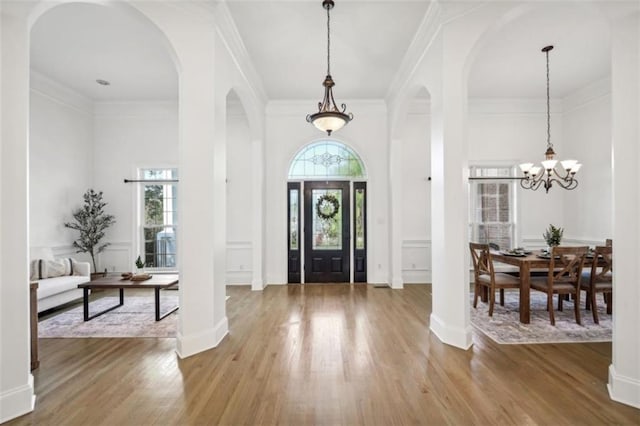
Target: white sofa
{"type": "Point", "coordinates": [53, 292]}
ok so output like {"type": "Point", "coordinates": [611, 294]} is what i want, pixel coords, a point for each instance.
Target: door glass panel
{"type": "Point", "coordinates": [327, 219]}
{"type": "Point", "coordinates": [359, 218]}
{"type": "Point", "coordinates": [293, 219]}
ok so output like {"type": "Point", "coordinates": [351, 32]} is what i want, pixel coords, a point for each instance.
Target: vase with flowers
{"type": "Point", "coordinates": [553, 236]}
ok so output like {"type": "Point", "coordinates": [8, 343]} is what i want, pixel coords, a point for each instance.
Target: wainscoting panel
{"type": "Point", "coordinates": [239, 263]}
{"type": "Point", "coordinates": [416, 261]}
{"type": "Point", "coordinates": [117, 257]}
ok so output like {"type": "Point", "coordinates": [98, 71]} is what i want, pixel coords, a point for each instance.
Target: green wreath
{"type": "Point", "coordinates": [327, 206]}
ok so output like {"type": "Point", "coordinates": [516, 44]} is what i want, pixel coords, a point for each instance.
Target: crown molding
{"type": "Point", "coordinates": [588, 94]}
{"type": "Point", "coordinates": [57, 92]}
{"type": "Point", "coordinates": [228, 32]}
{"type": "Point", "coordinates": [427, 30]}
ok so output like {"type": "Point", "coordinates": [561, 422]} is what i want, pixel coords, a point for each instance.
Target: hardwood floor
{"type": "Point", "coordinates": [324, 354]}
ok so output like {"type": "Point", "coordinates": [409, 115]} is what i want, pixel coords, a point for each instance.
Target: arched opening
{"type": "Point", "coordinates": [103, 108]}
{"type": "Point", "coordinates": [507, 103]}
{"type": "Point", "coordinates": [326, 196]}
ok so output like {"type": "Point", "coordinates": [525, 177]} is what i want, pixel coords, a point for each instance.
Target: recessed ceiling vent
{"type": "Point", "coordinates": [102, 82]}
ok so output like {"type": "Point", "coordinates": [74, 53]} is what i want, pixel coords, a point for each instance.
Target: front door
{"type": "Point", "coordinates": [326, 232]}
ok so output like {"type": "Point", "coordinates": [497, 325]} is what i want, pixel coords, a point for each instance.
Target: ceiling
{"type": "Point", "coordinates": [76, 43]}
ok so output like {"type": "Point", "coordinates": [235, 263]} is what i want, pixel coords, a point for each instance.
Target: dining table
{"type": "Point", "coordinates": [528, 261]}
{"type": "Point", "coordinates": [525, 263]}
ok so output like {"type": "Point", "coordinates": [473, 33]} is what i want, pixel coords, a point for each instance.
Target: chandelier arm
{"type": "Point", "coordinates": [569, 184]}
{"type": "Point", "coordinates": [531, 183]}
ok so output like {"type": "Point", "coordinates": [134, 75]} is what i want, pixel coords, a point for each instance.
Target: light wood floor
{"type": "Point", "coordinates": [324, 354]}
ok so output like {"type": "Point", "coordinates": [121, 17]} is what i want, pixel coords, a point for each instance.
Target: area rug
{"type": "Point", "coordinates": [136, 318]}
{"type": "Point", "coordinates": [505, 326]}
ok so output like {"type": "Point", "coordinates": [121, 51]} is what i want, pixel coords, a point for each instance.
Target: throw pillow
{"type": "Point", "coordinates": [41, 268]}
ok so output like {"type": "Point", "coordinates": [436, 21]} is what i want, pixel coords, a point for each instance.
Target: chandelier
{"type": "Point", "coordinates": [535, 176]}
{"type": "Point", "coordinates": [329, 117]}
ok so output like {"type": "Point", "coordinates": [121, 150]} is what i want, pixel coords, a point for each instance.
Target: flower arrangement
{"type": "Point", "coordinates": [553, 235]}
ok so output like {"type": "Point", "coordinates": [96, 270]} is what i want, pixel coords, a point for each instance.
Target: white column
{"type": "Point", "coordinates": [257, 217]}
{"type": "Point", "coordinates": [202, 205]}
{"type": "Point", "coordinates": [449, 198]}
{"type": "Point", "coordinates": [624, 371]}
{"type": "Point", "coordinates": [16, 382]}
{"type": "Point", "coordinates": [395, 213]}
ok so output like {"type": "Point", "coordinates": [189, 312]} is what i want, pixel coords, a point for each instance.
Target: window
{"type": "Point", "coordinates": [159, 217]}
{"type": "Point", "coordinates": [492, 207]}
{"type": "Point", "coordinates": [326, 159]}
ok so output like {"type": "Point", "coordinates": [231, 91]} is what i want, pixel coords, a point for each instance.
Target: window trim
{"type": "Point", "coordinates": [514, 204]}
{"type": "Point", "coordinates": [140, 224]}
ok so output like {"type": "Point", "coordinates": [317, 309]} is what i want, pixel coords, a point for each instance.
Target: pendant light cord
{"type": "Point", "coordinates": [549, 144]}
{"type": "Point", "coordinates": [328, 42]}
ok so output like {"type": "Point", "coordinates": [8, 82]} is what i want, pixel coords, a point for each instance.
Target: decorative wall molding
{"type": "Point", "coordinates": [118, 256]}
{"type": "Point", "coordinates": [136, 109]}
{"type": "Point", "coordinates": [506, 106]}
{"type": "Point", "coordinates": [239, 263]}
{"type": "Point", "coordinates": [59, 93]}
{"type": "Point", "coordinates": [416, 261]}
{"type": "Point", "coordinates": [424, 36]}
{"type": "Point", "coordinates": [228, 32]}
{"type": "Point", "coordinates": [533, 242]}
{"type": "Point", "coordinates": [587, 95]}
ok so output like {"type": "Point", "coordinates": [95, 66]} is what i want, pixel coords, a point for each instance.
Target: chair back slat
{"type": "Point", "coordinates": [482, 262]}
{"type": "Point", "coordinates": [566, 264]}
{"type": "Point", "coordinates": [602, 266]}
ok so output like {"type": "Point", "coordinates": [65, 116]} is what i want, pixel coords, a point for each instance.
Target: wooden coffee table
{"type": "Point", "coordinates": [156, 282]}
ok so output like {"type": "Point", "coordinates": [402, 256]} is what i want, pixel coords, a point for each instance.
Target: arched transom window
{"type": "Point", "coordinates": [327, 160]}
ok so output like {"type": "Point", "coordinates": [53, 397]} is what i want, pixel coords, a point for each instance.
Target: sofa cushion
{"type": "Point", "coordinates": [50, 286]}
{"type": "Point", "coordinates": [41, 268]}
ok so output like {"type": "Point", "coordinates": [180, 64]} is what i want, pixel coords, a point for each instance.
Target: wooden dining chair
{"type": "Point", "coordinates": [599, 279]}
{"type": "Point", "coordinates": [486, 277]}
{"type": "Point", "coordinates": [563, 278]}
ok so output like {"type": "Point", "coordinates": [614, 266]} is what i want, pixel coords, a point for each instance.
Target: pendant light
{"type": "Point", "coordinates": [535, 176]}
{"type": "Point", "coordinates": [329, 117]}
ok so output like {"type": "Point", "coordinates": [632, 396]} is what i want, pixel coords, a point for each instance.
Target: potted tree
{"type": "Point", "coordinates": [92, 222]}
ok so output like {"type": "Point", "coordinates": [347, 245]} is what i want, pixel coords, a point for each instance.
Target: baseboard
{"type": "Point", "coordinates": [625, 390]}
{"type": "Point", "coordinates": [257, 285]}
{"type": "Point", "coordinates": [416, 276]}
{"type": "Point", "coordinates": [18, 401]}
{"type": "Point", "coordinates": [187, 346]}
{"type": "Point", "coordinates": [454, 336]}
{"type": "Point", "coordinates": [397, 283]}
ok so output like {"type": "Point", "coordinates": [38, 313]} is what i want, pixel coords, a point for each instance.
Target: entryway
{"type": "Point", "coordinates": [326, 217]}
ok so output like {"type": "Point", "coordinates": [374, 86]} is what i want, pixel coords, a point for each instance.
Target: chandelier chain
{"type": "Point", "coordinates": [328, 42]}
{"type": "Point", "coordinates": [549, 144]}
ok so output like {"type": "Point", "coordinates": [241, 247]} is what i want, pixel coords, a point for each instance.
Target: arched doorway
{"type": "Point", "coordinates": [326, 196]}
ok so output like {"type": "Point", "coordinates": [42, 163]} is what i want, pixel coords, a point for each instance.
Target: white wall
{"type": "Point", "coordinates": [128, 136]}
{"type": "Point", "coordinates": [239, 195]}
{"type": "Point", "coordinates": [513, 132]}
{"type": "Point", "coordinates": [416, 195]}
{"type": "Point", "coordinates": [287, 132]}
{"type": "Point", "coordinates": [60, 161]}
{"type": "Point", "coordinates": [587, 136]}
